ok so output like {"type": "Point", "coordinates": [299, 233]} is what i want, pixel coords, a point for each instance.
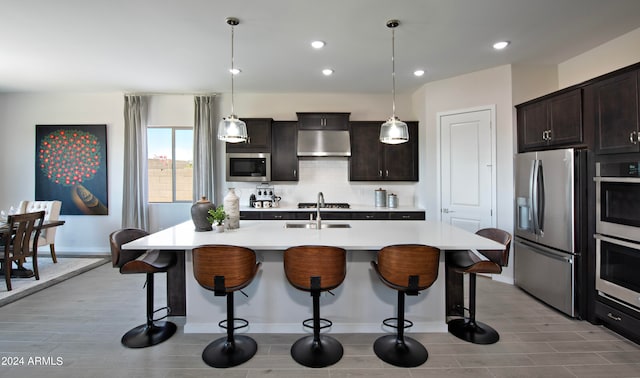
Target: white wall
{"type": "Point", "coordinates": [19, 113]}
{"type": "Point", "coordinates": [617, 53]}
{"type": "Point", "coordinates": [488, 87]}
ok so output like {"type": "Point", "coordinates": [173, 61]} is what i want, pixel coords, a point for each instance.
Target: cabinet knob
{"type": "Point", "coordinates": [633, 137]}
{"type": "Point", "coordinates": [380, 173]}
{"type": "Point", "coordinates": [295, 173]}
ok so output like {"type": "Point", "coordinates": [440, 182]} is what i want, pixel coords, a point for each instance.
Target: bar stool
{"type": "Point", "coordinates": [472, 262]}
{"type": "Point", "coordinates": [408, 269]}
{"type": "Point", "coordinates": [225, 269]}
{"type": "Point", "coordinates": [148, 262]}
{"type": "Point", "coordinates": [316, 269]}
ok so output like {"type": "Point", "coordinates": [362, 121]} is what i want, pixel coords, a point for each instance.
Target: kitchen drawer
{"type": "Point", "coordinates": [619, 321]}
{"type": "Point", "coordinates": [250, 215]}
{"type": "Point", "coordinates": [371, 215]}
{"type": "Point", "coordinates": [407, 215]}
{"type": "Point", "coordinates": [276, 215]}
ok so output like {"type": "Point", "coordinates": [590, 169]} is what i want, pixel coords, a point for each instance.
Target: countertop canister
{"type": "Point", "coordinates": [392, 201]}
{"type": "Point", "coordinates": [232, 208]}
{"type": "Point", "coordinates": [381, 197]}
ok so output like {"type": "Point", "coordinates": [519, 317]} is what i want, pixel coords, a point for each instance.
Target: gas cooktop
{"type": "Point", "coordinates": [327, 205]}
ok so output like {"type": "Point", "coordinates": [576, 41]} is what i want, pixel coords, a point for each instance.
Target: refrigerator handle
{"type": "Point", "coordinates": [541, 200]}
{"type": "Point", "coordinates": [533, 194]}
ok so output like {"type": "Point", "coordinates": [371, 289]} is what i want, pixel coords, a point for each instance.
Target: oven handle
{"type": "Point", "coordinates": [633, 180]}
{"type": "Point", "coordinates": [617, 241]}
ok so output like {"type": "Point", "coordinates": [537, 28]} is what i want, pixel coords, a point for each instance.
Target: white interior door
{"type": "Point", "coordinates": [467, 169]}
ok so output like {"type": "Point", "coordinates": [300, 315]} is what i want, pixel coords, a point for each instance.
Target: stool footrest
{"type": "Point", "coordinates": [243, 323]}
{"type": "Point", "coordinates": [167, 308]}
{"type": "Point", "coordinates": [393, 323]}
{"type": "Point", "coordinates": [326, 323]}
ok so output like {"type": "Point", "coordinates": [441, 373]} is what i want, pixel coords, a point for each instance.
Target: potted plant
{"type": "Point", "coordinates": [217, 216]}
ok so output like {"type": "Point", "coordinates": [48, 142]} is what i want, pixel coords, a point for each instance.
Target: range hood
{"type": "Point", "coordinates": [323, 143]}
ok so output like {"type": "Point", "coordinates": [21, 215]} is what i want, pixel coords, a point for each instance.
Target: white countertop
{"type": "Point", "coordinates": [363, 235]}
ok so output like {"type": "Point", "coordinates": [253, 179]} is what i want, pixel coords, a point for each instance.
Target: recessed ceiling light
{"type": "Point", "coordinates": [327, 72]}
{"type": "Point", "coordinates": [317, 44]}
{"type": "Point", "coordinates": [501, 45]}
{"type": "Point", "coordinates": [418, 73]}
{"type": "Point", "coordinates": [235, 71]}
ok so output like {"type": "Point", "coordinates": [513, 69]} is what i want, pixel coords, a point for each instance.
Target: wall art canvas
{"type": "Point", "coordinates": [71, 166]}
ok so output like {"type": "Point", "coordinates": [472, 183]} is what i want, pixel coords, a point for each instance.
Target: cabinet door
{"type": "Point", "coordinates": [364, 163]}
{"type": "Point", "coordinates": [284, 159]}
{"type": "Point", "coordinates": [565, 118]}
{"type": "Point", "coordinates": [323, 121]}
{"type": "Point", "coordinates": [401, 160]}
{"type": "Point", "coordinates": [532, 124]}
{"type": "Point", "coordinates": [615, 103]}
{"type": "Point", "coordinates": [259, 133]}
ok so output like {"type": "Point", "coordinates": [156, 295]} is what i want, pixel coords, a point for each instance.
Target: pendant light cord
{"type": "Point", "coordinates": [232, 70]}
{"type": "Point", "coordinates": [393, 71]}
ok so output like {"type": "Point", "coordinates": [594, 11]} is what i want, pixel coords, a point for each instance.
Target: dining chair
{"type": "Point", "coordinates": [51, 213]}
{"type": "Point", "coordinates": [20, 242]}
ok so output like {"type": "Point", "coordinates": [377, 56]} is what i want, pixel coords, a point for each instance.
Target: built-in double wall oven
{"type": "Point", "coordinates": [618, 232]}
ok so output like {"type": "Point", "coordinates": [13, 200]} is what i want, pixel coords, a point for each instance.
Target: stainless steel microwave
{"type": "Point", "coordinates": [248, 167]}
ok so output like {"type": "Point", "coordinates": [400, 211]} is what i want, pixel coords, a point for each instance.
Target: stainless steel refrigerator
{"type": "Point", "coordinates": [549, 232]}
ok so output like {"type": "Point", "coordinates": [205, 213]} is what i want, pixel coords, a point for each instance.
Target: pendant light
{"type": "Point", "coordinates": [232, 129]}
{"type": "Point", "coordinates": [394, 131]}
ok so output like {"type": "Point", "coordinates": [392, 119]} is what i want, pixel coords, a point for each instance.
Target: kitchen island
{"type": "Point", "coordinates": [357, 306]}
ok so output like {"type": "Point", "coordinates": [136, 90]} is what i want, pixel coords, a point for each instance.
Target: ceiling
{"type": "Point", "coordinates": [171, 46]}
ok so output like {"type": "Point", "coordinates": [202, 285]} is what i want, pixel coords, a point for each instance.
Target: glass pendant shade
{"type": "Point", "coordinates": [232, 130]}
{"type": "Point", "coordinates": [394, 131]}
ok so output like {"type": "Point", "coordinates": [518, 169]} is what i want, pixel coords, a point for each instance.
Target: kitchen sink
{"type": "Point", "coordinates": [314, 225]}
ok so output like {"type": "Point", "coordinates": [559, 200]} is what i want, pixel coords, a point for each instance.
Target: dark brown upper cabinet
{"type": "Point", "coordinates": [551, 121]}
{"type": "Point", "coordinates": [372, 160]}
{"type": "Point", "coordinates": [284, 158]}
{"type": "Point", "coordinates": [323, 121]}
{"type": "Point", "coordinates": [259, 136]}
{"type": "Point", "coordinates": [611, 109]}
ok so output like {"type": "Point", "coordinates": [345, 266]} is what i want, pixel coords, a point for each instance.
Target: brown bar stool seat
{"type": "Point", "coordinates": [316, 269]}
{"type": "Point", "coordinates": [148, 262]}
{"type": "Point", "coordinates": [472, 262]}
{"type": "Point", "coordinates": [225, 269]}
{"type": "Point", "coordinates": [407, 268]}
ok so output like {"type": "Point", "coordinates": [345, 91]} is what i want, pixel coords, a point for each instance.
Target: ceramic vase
{"type": "Point", "coordinates": [199, 213]}
{"type": "Point", "coordinates": [232, 208]}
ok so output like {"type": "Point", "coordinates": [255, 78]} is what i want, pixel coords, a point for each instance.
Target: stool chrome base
{"type": "Point", "coordinates": [409, 353]}
{"type": "Point", "coordinates": [473, 331]}
{"type": "Point", "coordinates": [222, 354]}
{"type": "Point", "coordinates": [316, 354]}
{"type": "Point", "coordinates": [147, 335]}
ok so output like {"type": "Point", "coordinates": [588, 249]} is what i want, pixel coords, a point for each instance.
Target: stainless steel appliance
{"type": "Point", "coordinates": [550, 229]}
{"type": "Point", "coordinates": [248, 166]}
{"type": "Point", "coordinates": [618, 199]}
{"type": "Point", "coordinates": [323, 143]}
{"type": "Point", "coordinates": [617, 275]}
{"type": "Point", "coordinates": [618, 232]}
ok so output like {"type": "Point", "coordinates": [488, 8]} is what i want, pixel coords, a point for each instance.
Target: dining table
{"type": "Point", "coordinates": [273, 306]}
{"type": "Point", "coordinates": [20, 271]}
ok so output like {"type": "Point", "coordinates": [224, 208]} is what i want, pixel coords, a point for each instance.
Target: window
{"type": "Point", "coordinates": [170, 164]}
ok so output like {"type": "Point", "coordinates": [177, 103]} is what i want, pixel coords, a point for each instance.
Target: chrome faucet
{"type": "Point", "coordinates": [319, 204]}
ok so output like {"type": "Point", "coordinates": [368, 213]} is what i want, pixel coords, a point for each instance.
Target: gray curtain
{"type": "Point", "coordinates": [204, 147]}
{"type": "Point", "coordinates": [135, 211]}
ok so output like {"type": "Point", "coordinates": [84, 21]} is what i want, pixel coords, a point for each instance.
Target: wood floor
{"type": "Point", "coordinates": [76, 327]}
